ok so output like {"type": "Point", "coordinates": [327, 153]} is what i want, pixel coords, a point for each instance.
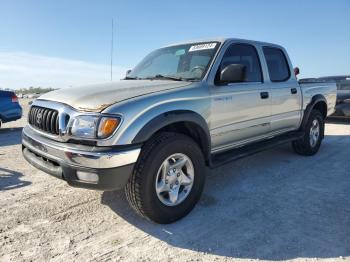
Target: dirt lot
{"type": "Point", "coordinates": [272, 206]}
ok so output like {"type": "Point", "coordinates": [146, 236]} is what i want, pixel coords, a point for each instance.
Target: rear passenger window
{"type": "Point", "coordinates": [277, 64]}
{"type": "Point", "coordinates": [246, 55]}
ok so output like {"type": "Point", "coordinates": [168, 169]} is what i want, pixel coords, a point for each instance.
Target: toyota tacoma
{"type": "Point", "coordinates": [183, 108]}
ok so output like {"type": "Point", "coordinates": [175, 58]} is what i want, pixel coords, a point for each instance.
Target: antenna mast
{"type": "Point", "coordinates": [112, 50]}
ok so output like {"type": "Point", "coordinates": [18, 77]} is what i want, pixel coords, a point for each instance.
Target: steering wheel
{"type": "Point", "coordinates": [202, 68]}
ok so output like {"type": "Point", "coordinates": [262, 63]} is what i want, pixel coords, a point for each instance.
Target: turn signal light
{"type": "Point", "coordinates": [107, 126]}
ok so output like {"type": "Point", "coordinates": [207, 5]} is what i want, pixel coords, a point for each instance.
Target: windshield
{"type": "Point", "coordinates": [181, 62]}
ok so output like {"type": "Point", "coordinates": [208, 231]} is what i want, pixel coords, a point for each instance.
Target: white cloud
{"type": "Point", "coordinates": [22, 70]}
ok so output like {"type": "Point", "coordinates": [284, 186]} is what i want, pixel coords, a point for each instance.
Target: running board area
{"type": "Point", "coordinates": [240, 152]}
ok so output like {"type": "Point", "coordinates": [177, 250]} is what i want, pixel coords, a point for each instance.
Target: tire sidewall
{"type": "Point", "coordinates": [179, 144]}
{"type": "Point", "coordinates": [315, 115]}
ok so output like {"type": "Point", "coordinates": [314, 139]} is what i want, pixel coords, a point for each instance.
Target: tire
{"type": "Point", "coordinates": [148, 175]}
{"type": "Point", "coordinates": [308, 146]}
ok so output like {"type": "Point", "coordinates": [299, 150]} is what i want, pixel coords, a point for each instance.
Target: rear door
{"type": "Point", "coordinates": [286, 97]}
{"type": "Point", "coordinates": [240, 112]}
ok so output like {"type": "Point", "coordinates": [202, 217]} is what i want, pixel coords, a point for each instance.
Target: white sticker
{"type": "Point", "coordinates": [202, 47]}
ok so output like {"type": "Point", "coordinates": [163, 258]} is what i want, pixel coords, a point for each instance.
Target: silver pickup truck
{"type": "Point", "coordinates": [183, 108]}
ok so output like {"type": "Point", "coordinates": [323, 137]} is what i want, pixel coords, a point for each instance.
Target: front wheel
{"type": "Point", "coordinates": [168, 178]}
{"type": "Point", "coordinates": [314, 132]}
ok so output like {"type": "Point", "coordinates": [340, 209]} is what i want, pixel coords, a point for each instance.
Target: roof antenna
{"type": "Point", "coordinates": [112, 50]}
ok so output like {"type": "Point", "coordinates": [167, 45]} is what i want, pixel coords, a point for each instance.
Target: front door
{"type": "Point", "coordinates": [240, 112]}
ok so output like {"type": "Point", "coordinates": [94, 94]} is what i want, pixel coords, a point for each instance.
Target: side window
{"type": "Point", "coordinates": [277, 64]}
{"type": "Point", "coordinates": [246, 55]}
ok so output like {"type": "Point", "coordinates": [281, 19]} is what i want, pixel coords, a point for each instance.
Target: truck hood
{"type": "Point", "coordinates": [95, 98]}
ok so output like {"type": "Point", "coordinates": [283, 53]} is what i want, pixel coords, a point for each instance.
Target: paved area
{"type": "Point", "coordinates": [275, 205]}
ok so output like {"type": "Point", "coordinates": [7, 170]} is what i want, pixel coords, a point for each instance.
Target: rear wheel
{"type": "Point", "coordinates": [314, 131]}
{"type": "Point", "coordinates": [168, 178]}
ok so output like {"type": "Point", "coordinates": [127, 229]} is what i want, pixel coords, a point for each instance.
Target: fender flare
{"type": "Point", "coordinates": [173, 117]}
{"type": "Point", "coordinates": [315, 99]}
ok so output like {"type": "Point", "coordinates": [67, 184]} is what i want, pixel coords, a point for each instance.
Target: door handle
{"type": "Point", "coordinates": [264, 95]}
{"type": "Point", "coordinates": [293, 90]}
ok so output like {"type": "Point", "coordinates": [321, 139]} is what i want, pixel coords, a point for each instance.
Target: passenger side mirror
{"type": "Point", "coordinates": [128, 72]}
{"type": "Point", "coordinates": [296, 71]}
{"type": "Point", "coordinates": [232, 73]}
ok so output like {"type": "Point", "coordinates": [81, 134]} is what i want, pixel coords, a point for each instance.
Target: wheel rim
{"type": "Point", "coordinates": [314, 133]}
{"type": "Point", "coordinates": [175, 179]}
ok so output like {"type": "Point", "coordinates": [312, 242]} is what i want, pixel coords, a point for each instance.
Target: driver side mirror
{"type": "Point", "coordinates": [128, 72]}
{"type": "Point", "coordinates": [232, 73]}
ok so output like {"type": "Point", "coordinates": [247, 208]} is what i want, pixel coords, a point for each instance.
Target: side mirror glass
{"type": "Point", "coordinates": [232, 73]}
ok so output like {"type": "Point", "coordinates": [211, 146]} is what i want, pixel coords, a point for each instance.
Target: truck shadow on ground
{"type": "Point", "coordinates": [10, 179]}
{"type": "Point", "coordinates": [275, 205]}
{"type": "Point", "coordinates": [338, 120]}
{"type": "Point", "coordinates": [10, 136]}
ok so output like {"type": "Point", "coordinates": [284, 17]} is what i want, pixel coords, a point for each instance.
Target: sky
{"type": "Point", "coordinates": [65, 43]}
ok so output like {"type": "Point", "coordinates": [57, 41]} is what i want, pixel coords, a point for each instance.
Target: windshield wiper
{"type": "Point", "coordinates": [159, 76]}
{"type": "Point", "coordinates": [131, 78]}
{"type": "Point", "coordinates": [191, 79]}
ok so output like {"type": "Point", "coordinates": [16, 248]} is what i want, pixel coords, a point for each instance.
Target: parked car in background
{"type": "Point", "coordinates": [182, 108]}
{"type": "Point", "coordinates": [342, 108]}
{"type": "Point", "coordinates": [10, 110]}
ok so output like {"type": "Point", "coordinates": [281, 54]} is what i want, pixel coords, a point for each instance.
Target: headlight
{"type": "Point", "coordinates": [94, 126]}
{"type": "Point", "coordinates": [84, 126]}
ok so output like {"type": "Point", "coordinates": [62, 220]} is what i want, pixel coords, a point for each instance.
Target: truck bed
{"type": "Point", "coordinates": [311, 88]}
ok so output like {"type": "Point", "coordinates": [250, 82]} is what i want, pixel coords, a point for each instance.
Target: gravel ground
{"type": "Point", "coordinates": [275, 205]}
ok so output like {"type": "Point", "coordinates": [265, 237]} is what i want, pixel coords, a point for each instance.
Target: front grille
{"type": "Point", "coordinates": [45, 119]}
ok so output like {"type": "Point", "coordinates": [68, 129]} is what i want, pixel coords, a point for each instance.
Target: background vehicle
{"type": "Point", "coordinates": [182, 108]}
{"type": "Point", "coordinates": [10, 110]}
{"type": "Point", "coordinates": [342, 108]}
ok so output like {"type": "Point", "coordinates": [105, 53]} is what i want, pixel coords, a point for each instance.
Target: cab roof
{"type": "Point", "coordinates": [222, 40]}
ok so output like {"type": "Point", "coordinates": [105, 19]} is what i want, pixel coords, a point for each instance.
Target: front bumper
{"type": "Point", "coordinates": [91, 167]}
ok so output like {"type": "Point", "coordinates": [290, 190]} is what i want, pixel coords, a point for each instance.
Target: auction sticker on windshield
{"type": "Point", "coordinates": [202, 47]}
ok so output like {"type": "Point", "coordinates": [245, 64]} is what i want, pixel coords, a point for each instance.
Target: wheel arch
{"type": "Point", "coordinates": [319, 103]}
{"type": "Point", "coordinates": [181, 121]}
